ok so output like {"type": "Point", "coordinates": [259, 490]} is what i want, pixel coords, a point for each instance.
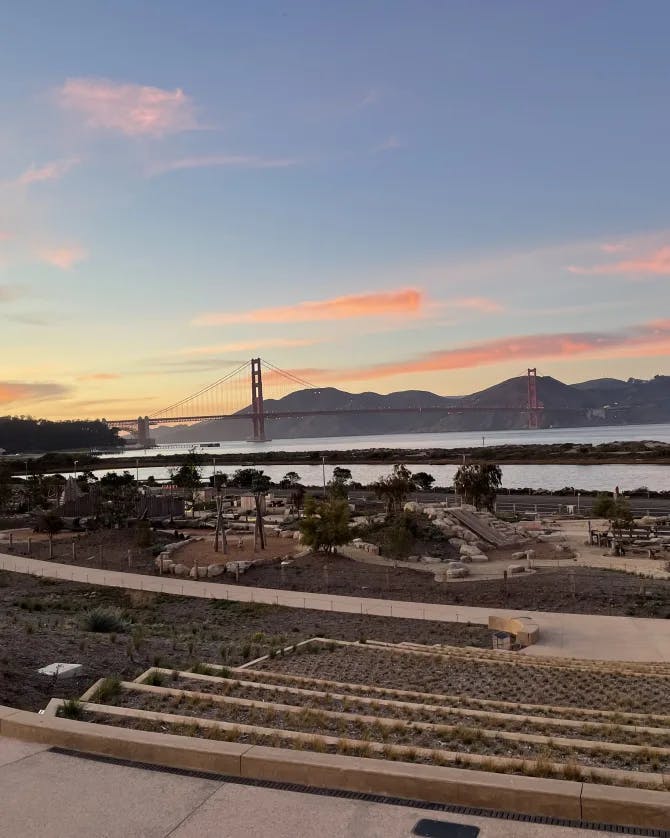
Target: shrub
{"type": "Point", "coordinates": [201, 668]}
{"type": "Point", "coordinates": [154, 679]}
{"type": "Point", "coordinates": [71, 709]}
{"type": "Point", "coordinates": [109, 688]}
{"type": "Point", "coordinates": [105, 620]}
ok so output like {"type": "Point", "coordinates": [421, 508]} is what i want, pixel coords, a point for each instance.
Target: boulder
{"type": "Point", "coordinates": [516, 557]}
{"type": "Point", "coordinates": [430, 559]}
{"type": "Point", "coordinates": [457, 572]}
{"type": "Point", "coordinates": [516, 568]}
{"type": "Point", "coordinates": [215, 570]}
{"type": "Point", "coordinates": [478, 558]}
{"type": "Point", "coordinates": [179, 570]}
{"type": "Point", "coordinates": [469, 550]}
{"type": "Point", "coordinates": [297, 535]}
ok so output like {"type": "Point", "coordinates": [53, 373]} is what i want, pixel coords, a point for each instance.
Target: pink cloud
{"type": "Point", "coordinates": [49, 171]}
{"type": "Point", "coordinates": [232, 161]}
{"type": "Point", "coordinates": [28, 391]}
{"type": "Point", "coordinates": [647, 340]}
{"type": "Point", "coordinates": [64, 257]}
{"type": "Point", "coordinates": [614, 247]}
{"type": "Point", "coordinates": [656, 264]}
{"type": "Point", "coordinates": [406, 302]}
{"type": "Point", "coordinates": [5, 236]}
{"type": "Point", "coordinates": [132, 109]}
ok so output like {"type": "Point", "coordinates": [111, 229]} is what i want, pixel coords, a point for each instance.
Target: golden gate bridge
{"type": "Point", "coordinates": [228, 398]}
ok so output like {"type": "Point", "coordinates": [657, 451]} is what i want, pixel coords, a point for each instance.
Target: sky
{"type": "Point", "coordinates": [430, 194]}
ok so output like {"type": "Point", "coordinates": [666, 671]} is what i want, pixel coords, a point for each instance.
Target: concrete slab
{"type": "Point", "coordinates": [54, 795]}
{"type": "Point", "coordinates": [12, 750]}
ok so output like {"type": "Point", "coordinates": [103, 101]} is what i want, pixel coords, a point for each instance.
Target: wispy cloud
{"type": "Point", "coordinates": [371, 97]}
{"type": "Point", "coordinates": [407, 302]}
{"type": "Point", "coordinates": [5, 236]}
{"type": "Point", "coordinates": [48, 171]}
{"type": "Point", "coordinates": [8, 293]}
{"type": "Point", "coordinates": [391, 143]}
{"type": "Point", "coordinates": [30, 391]}
{"type": "Point", "coordinates": [614, 247]}
{"type": "Point", "coordinates": [99, 376]}
{"type": "Point", "coordinates": [63, 257]}
{"type": "Point", "coordinates": [249, 346]}
{"type": "Point", "coordinates": [228, 161]}
{"type": "Point", "coordinates": [647, 340]}
{"type": "Point", "coordinates": [654, 264]}
{"type": "Point", "coordinates": [132, 109]}
{"type": "Point", "coordinates": [484, 305]}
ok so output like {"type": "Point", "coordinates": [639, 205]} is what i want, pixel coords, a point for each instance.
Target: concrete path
{"type": "Point", "coordinates": [57, 796]}
{"type": "Point", "coordinates": [564, 635]}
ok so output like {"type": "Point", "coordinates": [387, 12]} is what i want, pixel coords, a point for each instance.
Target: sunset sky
{"type": "Point", "coordinates": [375, 195]}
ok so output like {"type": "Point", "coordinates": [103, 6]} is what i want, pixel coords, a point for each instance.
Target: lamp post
{"type": "Point", "coordinates": [76, 462]}
{"type": "Point", "coordinates": [137, 471]}
{"type": "Point", "coordinates": [323, 468]}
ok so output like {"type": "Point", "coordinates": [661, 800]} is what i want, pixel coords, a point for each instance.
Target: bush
{"type": "Point", "coordinates": [105, 620]}
{"type": "Point", "coordinates": [71, 709]}
{"type": "Point", "coordinates": [109, 688]}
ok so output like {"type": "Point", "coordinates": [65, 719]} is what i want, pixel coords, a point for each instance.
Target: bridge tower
{"type": "Point", "coordinates": [143, 431]}
{"type": "Point", "coordinates": [533, 405]}
{"type": "Point", "coordinates": [257, 408]}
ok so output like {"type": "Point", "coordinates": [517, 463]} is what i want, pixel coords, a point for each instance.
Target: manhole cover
{"type": "Point", "coordinates": [444, 829]}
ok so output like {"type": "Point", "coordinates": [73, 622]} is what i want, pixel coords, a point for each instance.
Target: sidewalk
{"type": "Point", "coordinates": [585, 636]}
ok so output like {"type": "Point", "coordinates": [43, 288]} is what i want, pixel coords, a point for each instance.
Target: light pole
{"type": "Point", "coordinates": [76, 462]}
{"type": "Point", "coordinates": [323, 467]}
{"type": "Point", "coordinates": [137, 471]}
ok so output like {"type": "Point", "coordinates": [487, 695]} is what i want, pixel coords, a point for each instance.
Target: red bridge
{"type": "Point", "coordinates": [228, 398]}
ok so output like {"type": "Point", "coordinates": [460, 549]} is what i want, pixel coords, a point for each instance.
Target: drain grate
{"type": "Point", "coordinates": [427, 828]}
{"type": "Point", "coordinates": [373, 798]}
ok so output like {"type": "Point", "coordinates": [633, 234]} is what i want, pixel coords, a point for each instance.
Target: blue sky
{"type": "Point", "coordinates": [484, 183]}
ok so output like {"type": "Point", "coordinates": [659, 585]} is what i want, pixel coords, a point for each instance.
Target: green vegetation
{"type": "Point", "coordinates": [393, 490]}
{"type": "Point", "coordinates": [326, 524]}
{"type": "Point", "coordinates": [105, 620]}
{"type": "Point", "coordinates": [20, 433]}
{"type": "Point", "coordinates": [615, 509]}
{"type": "Point", "coordinates": [71, 709]}
{"type": "Point", "coordinates": [478, 484]}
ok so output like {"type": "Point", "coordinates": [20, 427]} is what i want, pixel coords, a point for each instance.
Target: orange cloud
{"type": "Point", "coordinates": [643, 341]}
{"type": "Point", "coordinates": [99, 376]}
{"type": "Point", "coordinates": [406, 302]}
{"type": "Point", "coordinates": [249, 345]}
{"type": "Point", "coordinates": [131, 109]}
{"type": "Point", "coordinates": [49, 171]}
{"type": "Point", "coordinates": [657, 264]}
{"type": "Point", "coordinates": [614, 247]}
{"type": "Point", "coordinates": [64, 257]}
{"type": "Point", "coordinates": [26, 391]}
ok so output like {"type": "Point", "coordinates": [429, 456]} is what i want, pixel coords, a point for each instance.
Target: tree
{"type": "Point", "coordinates": [119, 494]}
{"type": "Point", "coordinates": [423, 481]}
{"type": "Point", "coordinates": [249, 478]}
{"type": "Point", "coordinates": [394, 488]}
{"type": "Point", "coordinates": [478, 484]}
{"type": "Point", "coordinates": [289, 480]}
{"type": "Point", "coordinates": [297, 496]}
{"type": "Point", "coordinates": [616, 509]}
{"type": "Point", "coordinates": [338, 486]}
{"type": "Point", "coordinates": [51, 524]}
{"type": "Point", "coordinates": [5, 487]}
{"type": "Point", "coordinates": [326, 524]}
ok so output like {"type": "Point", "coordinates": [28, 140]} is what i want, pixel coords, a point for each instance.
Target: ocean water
{"type": "Point", "coordinates": [551, 477]}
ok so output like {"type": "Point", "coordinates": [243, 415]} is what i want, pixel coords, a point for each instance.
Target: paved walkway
{"type": "Point", "coordinates": [564, 635]}
{"type": "Point", "coordinates": [56, 796]}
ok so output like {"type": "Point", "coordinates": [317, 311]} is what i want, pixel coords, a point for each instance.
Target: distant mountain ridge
{"type": "Point", "coordinates": [605, 401]}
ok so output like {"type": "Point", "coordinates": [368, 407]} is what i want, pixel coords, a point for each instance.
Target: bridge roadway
{"type": "Point", "coordinates": [586, 636]}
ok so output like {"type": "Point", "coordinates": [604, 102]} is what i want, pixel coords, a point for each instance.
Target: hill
{"type": "Point", "coordinates": [604, 401]}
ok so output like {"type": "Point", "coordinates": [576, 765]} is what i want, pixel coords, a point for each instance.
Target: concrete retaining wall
{"type": "Point", "coordinates": [528, 795]}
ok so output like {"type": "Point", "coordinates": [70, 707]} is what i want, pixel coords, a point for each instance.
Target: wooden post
{"type": "Point", "coordinates": [101, 556]}
{"type": "Point", "coordinates": [30, 546]}
{"type": "Point", "coordinates": [74, 551]}
{"type": "Point", "coordinates": [11, 539]}
{"type": "Point", "coordinates": [130, 560]}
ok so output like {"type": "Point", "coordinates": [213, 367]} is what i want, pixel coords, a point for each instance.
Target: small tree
{"type": "Point", "coordinates": [290, 479]}
{"type": "Point", "coordinates": [616, 509]}
{"type": "Point", "coordinates": [394, 488]}
{"type": "Point", "coordinates": [423, 480]}
{"type": "Point", "coordinates": [248, 478]}
{"type": "Point", "coordinates": [51, 524]}
{"type": "Point", "coordinates": [326, 524]}
{"type": "Point", "coordinates": [478, 484]}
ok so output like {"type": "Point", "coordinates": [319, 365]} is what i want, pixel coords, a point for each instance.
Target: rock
{"type": "Point", "coordinates": [297, 535]}
{"type": "Point", "coordinates": [234, 567]}
{"type": "Point", "coordinates": [456, 542]}
{"type": "Point", "coordinates": [193, 572]}
{"type": "Point", "coordinates": [469, 550]}
{"type": "Point", "coordinates": [516, 568]}
{"type": "Point", "coordinates": [479, 558]}
{"type": "Point", "coordinates": [457, 572]}
{"type": "Point", "coordinates": [286, 534]}
{"type": "Point", "coordinates": [530, 555]}
{"type": "Point", "coordinates": [430, 559]}
{"type": "Point", "coordinates": [518, 556]}
{"type": "Point", "coordinates": [215, 570]}
{"type": "Point", "coordinates": [179, 570]}
{"type": "Point", "coordinates": [412, 506]}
